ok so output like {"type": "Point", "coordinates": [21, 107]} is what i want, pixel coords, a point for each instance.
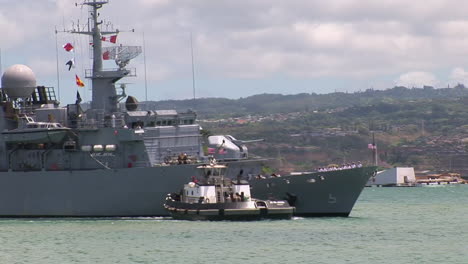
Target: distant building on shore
{"type": "Point", "coordinates": [435, 179]}
{"type": "Point", "coordinates": [394, 177]}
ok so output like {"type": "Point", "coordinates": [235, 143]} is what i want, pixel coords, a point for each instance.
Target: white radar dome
{"type": "Point", "coordinates": [18, 81]}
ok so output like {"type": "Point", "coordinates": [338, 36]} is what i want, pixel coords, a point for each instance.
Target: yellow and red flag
{"type": "Point", "coordinates": [79, 82]}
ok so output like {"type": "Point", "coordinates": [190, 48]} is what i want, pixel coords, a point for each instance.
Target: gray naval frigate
{"type": "Point", "coordinates": [121, 161]}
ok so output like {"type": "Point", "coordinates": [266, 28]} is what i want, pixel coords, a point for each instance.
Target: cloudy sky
{"type": "Point", "coordinates": [247, 47]}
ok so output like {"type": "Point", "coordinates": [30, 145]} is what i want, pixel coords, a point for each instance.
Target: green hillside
{"type": "Point", "coordinates": [424, 128]}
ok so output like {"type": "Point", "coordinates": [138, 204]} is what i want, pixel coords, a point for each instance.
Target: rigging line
{"type": "Point", "coordinates": [83, 58]}
{"type": "Point", "coordinates": [1, 68]}
{"type": "Point", "coordinates": [57, 62]}
{"type": "Point", "coordinates": [193, 69]}
{"type": "Point", "coordinates": [144, 63]}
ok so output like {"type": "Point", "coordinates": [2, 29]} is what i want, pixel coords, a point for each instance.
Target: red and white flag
{"type": "Point", "coordinates": [111, 39]}
{"type": "Point", "coordinates": [106, 55]}
{"type": "Point", "coordinates": [371, 146]}
{"type": "Point", "coordinates": [68, 47]}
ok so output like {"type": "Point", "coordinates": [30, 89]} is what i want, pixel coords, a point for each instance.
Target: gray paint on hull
{"type": "Point", "coordinates": [123, 192]}
{"type": "Point", "coordinates": [142, 191]}
{"type": "Point", "coordinates": [331, 193]}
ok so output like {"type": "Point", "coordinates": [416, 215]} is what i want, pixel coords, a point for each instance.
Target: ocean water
{"type": "Point", "coordinates": [387, 225]}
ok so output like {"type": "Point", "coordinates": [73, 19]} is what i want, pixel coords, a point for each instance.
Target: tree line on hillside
{"type": "Point", "coordinates": [418, 132]}
{"type": "Point", "coordinates": [304, 102]}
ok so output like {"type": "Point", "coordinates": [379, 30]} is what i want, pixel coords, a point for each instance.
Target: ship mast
{"type": "Point", "coordinates": [104, 96]}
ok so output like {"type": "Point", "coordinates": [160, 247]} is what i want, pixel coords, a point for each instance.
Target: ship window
{"type": "Point", "coordinates": [86, 148]}
{"type": "Point", "coordinates": [69, 145]}
{"type": "Point", "coordinates": [158, 123]}
{"type": "Point", "coordinates": [97, 148]}
{"type": "Point", "coordinates": [164, 122]}
{"type": "Point", "coordinates": [138, 124]}
{"type": "Point", "coordinates": [110, 147]}
{"type": "Point", "coordinates": [191, 121]}
{"type": "Point", "coordinates": [169, 122]}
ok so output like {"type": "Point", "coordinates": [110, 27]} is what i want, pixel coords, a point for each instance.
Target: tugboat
{"type": "Point", "coordinates": [214, 197]}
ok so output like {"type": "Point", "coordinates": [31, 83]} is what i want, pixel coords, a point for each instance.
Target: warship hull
{"type": "Point", "coordinates": [91, 193]}
{"type": "Point", "coordinates": [137, 192]}
{"type": "Point", "coordinates": [332, 193]}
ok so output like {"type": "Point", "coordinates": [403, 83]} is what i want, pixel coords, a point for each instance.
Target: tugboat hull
{"type": "Point", "coordinates": [234, 211]}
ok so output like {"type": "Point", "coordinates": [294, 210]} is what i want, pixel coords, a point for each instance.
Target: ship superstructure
{"type": "Point", "coordinates": [108, 161]}
{"type": "Point", "coordinates": [103, 136]}
{"type": "Point", "coordinates": [61, 161]}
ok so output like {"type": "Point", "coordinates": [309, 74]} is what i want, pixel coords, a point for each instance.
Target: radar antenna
{"type": "Point", "coordinates": [121, 54]}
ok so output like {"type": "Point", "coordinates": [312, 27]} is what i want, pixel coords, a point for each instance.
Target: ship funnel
{"type": "Point", "coordinates": [18, 81]}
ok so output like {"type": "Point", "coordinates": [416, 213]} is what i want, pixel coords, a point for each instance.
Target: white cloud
{"type": "Point", "coordinates": [43, 67]}
{"type": "Point", "coordinates": [9, 28]}
{"type": "Point", "coordinates": [417, 79]}
{"type": "Point", "coordinates": [329, 35]}
{"type": "Point", "coordinates": [458, 75]}
{"type": "Point", "coordinates": [347, 40]}
{"type": "Point", "coordinates": [152, 3]}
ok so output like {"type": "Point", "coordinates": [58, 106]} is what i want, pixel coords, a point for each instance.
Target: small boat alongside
{"type": "Point", "coordinates": [30, 131]}
{"type": "Point", "coordinates": [214, 197]}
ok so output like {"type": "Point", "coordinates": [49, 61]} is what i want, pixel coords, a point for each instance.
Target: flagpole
{"type": "Point", "coordinates": [193, 70]}
{"type": "Point", "coordinates": [144, 62]}
{"type": "Point", "coordinates": [57, 62]}
{"type": "Point", "coordinates": [374, 150]}
{"type": "Point", "coordinates": [1, 68]}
